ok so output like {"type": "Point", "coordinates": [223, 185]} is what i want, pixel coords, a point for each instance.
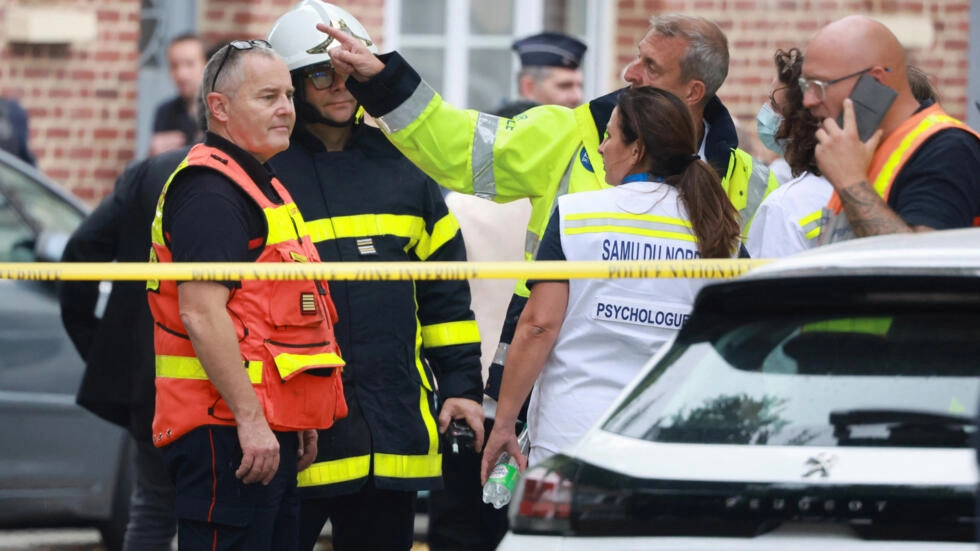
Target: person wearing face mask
{"type": "Point", "coordinates": [580, 341]}
{"type": "Point", "coordinates": [412, 347]}
{"type": "Point", "coordinates": [788, 220]}
{"type": "Point", "coordinates": [767, 122]}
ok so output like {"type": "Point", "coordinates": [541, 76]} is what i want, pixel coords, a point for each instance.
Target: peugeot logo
{"type": "Point", "coordinates": [820, 463]}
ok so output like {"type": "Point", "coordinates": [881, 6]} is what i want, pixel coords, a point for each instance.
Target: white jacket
{"type": "Point", "coordinates": [788, 221]}
{"type": "Point", "coordinates": [611, 326]}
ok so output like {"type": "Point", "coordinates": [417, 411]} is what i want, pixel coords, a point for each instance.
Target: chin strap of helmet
{"type": "Point", "coordinates": [305, 112]}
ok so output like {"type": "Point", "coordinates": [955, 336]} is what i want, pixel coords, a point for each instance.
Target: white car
{"type": "Point", "coordinates": [824, 401]}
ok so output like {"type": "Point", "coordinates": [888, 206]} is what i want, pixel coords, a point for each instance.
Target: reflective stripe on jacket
{"type": "Point", "coordinates": [284, 328]}
{"type": "Point", "coordinates": [611, 326]}
{"type": "Point", "coordinates": [368, 203]}
{"type": "Point", "coordinates": [542, 154]}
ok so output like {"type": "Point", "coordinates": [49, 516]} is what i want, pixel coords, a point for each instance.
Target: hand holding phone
{"type": "Point", "coordinates": [460, 437]}
{"type": "Point", "coordinates": [872, 100]}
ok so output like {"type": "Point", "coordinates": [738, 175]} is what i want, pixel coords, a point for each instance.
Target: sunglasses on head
{"type": "Point", "coordinates": [238, 45]}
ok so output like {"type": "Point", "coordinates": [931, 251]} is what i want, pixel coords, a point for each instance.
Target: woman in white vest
{"type": "Point", "coordinates": [579, 342]}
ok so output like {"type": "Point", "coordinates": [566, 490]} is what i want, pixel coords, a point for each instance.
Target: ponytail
{"type": "Point", "coordinates": [662, 124]}
{"type": "Point", "coordinates": [713, 217]}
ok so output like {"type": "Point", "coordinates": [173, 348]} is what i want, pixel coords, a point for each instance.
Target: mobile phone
{"type": "Point", "coordinates": [872, 100]}
{"type": "Point", "coordinates": [461, 436]}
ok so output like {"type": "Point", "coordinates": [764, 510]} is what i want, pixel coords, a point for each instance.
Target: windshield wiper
{"type": "Point", "coordinates": [905, 427]}
{"type": "Point", "coordinates": [851, 417]}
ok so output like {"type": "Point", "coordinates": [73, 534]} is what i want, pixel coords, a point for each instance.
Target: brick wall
{"type": "Point", "coordinates": [80, 98]}
{"type": "Point", "coordinates": [221, 20]}
{"type": "Point", "coordinates": [756, 28]}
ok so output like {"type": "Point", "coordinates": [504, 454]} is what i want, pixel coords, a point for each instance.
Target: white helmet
{"type": "Point", "coordinates": [296, 39]}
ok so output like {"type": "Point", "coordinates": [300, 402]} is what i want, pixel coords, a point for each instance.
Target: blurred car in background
{"type": "Point", "coordinates": [59, 464]}
{"type": "Point", "coordinates": [825, 401]}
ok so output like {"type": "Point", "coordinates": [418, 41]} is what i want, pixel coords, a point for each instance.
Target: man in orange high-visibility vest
{"type": "Point", "coordinates": [920, 171]}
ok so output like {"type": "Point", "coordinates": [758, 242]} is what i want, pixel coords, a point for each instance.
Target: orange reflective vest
{"type": "Point", "coordinates": [284, 329]}
{"type": "Point", "coordinates": [887, 162]}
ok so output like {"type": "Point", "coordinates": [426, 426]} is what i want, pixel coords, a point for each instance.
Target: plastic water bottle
{"type": "Point", "coordinates": [503, 479]}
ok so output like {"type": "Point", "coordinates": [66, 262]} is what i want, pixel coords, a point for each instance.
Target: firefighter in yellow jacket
{"type": "Point", "coordinates": [245, 371]}
{"type": "Point", "coordinates": [549, 151]}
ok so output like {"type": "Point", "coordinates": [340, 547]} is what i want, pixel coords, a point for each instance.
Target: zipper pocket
{"type": "Point", "coordinates": [293, 345]}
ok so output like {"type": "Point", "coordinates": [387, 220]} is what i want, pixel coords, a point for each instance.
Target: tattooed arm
{"type": "Point", "coordinates": [869, 215]}
{"type": "Point", "coordinates": [844, 160]}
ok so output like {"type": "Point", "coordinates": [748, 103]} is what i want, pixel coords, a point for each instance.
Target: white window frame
{"type": "Point", "coordinates": [528, 19]}
{"type": "Point", "coordinates": [153, 84]}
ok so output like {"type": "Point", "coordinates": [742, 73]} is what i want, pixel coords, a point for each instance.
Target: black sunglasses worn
{"type": "Point", "coordinates": [239, 45]}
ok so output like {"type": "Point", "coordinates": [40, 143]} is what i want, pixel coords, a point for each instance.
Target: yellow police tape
{"type": "Point", "coordinates": [376, 271]}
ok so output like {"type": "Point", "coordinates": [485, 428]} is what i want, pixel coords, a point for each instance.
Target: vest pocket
{"type": "Point", "coordinates": [309, 393]}
{"type": "Point", "coordinates": [296, 305]}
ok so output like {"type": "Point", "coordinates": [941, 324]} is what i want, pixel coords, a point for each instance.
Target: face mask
{"type": "Point", "coordinates": [767, 122]}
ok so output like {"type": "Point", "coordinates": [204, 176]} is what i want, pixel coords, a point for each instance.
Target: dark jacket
{"type": "Point", "coordinates": [399, 338]}
{"type": "Point", "coordinates": [118, 348]}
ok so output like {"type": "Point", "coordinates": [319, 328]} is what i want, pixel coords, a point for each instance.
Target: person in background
{"type": "Point", "coordinates": [921, 86]}
{"type": "Point", "coordinates": [580, 342]}
{"type": "Point", "coordinates": [788, 221]}
{"type": "Point", "coordinates": [412, 347]}
{"type": "Point", "coordinates": [14, 133]}
{"type": "Point", "coordinates": [175, 122]}
{"type": "Point", "coordinates": [246, 371]}
{"type": "Point", "coordinates": [550, 73]}
{"type": "Point", "coordinates": [918, 172]}
{"type": "Point", "coordinates": [118, 346]}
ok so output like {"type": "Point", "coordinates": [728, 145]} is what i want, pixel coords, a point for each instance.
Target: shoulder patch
{"type": "Point", "coordinates": [583, 157]}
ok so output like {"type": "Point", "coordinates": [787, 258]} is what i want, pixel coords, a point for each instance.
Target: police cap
{"type": "Point", "coordinates": [550, 49]}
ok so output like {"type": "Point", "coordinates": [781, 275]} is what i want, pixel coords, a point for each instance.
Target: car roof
{"type": "Point", "coordinates": [929, 271]}
{"type": "Point", "coordinates": [935, 253]}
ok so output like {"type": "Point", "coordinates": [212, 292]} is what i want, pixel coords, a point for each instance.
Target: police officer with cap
{"type": "Point", "coordinates": [550, 71]}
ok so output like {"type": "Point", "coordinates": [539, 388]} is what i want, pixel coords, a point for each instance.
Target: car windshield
{"type": "Point", "coordinates": [902, 379]}
{"type": "Point", "coordinates": [27, 208]}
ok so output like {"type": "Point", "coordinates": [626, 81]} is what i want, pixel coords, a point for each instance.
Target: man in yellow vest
{"type": "Point", "coordinates": [920, 171]}
{"type": "Point", "coordinates": [550, 150]}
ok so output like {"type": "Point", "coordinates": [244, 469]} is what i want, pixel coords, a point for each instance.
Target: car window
{"type": "Point", "coordinates": [26, 208]}
{"type": "Point", "coordinates": [800, 381]}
